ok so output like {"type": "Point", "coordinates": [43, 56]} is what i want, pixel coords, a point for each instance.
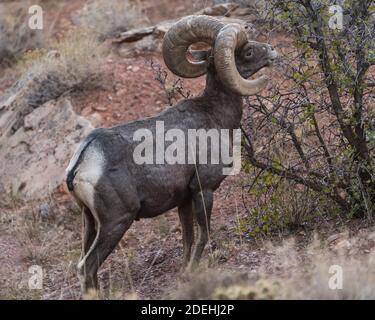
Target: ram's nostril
{"type": "Point", "coordinates": [272, 53]}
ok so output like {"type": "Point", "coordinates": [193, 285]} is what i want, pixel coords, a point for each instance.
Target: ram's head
{"type": "Point", "coordinates": [236, 58]}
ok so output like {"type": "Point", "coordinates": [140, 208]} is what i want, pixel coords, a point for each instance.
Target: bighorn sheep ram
{"type": "Point", "coordinates": [113, 190]}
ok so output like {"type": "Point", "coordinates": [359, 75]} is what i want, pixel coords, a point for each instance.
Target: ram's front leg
{"type": "Point", "coordinates": [202, 207]}
{"type": "Point", "coordinates": [185, 214]}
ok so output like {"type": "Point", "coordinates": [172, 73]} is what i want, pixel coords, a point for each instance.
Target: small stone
{"type": "Point", "coordinates": [176, 228]}
{"type": "Point", "coordinates": [333, 237]}
{"type": "Point", "coordinates": [100, 108]}
{"type": "Point", "coordinates": [135, 34]}
{"type": "Point", "coordinates": [337, 236]}
{"type": "Point", "coordinates": [344, 244]}
{"type": "Point", "coordinates": [163, 27]}
{"type": "Point", "coordinates": [121, 92]}
{"type": "Point", "coordinates": [96, 119]}
{"type": "Point", "coordinates": [86, 111]}
{"type": "Point", "coordinates": [44, 210]}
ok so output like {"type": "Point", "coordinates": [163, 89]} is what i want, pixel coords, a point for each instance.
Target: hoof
{"type": "Point", "coordinates": [91, 294]}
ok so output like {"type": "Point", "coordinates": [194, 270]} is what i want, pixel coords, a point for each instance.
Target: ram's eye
{"type": "Point", "coordinates": [249, 54]}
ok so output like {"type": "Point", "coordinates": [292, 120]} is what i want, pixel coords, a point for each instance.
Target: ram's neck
{"type": "Point", "coordinates": [224, 105]}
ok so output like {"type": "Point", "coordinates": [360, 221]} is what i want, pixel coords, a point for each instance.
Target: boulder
{"type": "Point", "coordinates": [222, 9]}
{"type": "Point", "coordinates": [135, 34]}
{"type": "Point", "coordinates": [34, 158]}
{"type": "Point", "coordinates": [149, 38]}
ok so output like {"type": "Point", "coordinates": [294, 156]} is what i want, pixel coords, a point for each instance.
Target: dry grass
{"type": "Point", "coordinates": [15, 35]}
{"type": "Point", "coordinates": [289, 272]}
{"type": "Point", "coordinates": [31, 238]}
{"type": "Point", "coordinates": [72, 64]}
{"type": "Point", "coordinates": [286, 271]}
{"type": "Point", "coordinates": [52, 241]}
{"type": "Point", "coordinates": [111, 17]}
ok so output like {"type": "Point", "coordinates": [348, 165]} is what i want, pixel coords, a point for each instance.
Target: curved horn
{"type": "Point", "coordinates": [180, 36]}
{"type": "Point", "coordinates": [230, 38]}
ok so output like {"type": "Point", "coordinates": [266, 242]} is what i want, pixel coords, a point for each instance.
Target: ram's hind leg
{"type": "Point", "coordinates": [113, 216]}
{"type": "Point", "coordinates": [109, 235]}
{"type": "Point", "coordinates": [185, 214]}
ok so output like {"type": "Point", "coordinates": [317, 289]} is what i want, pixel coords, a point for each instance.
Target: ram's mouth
{"type": "Point", "coordinates": [270, 63]}
{"type": "Point", "coordinates": [262, 70]}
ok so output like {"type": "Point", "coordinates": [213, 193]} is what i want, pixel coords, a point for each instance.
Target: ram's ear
{"type": "Point", "coordinates": [199, 55]}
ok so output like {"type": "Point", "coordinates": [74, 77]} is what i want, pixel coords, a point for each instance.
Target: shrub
{"type": "Point", "coordinates": [279, 207]}
{"type": "Point", "coordinates": [72, 64]}
{"type": "Point", "coordinates": [15, 35]}
{"type": "Point", "coordinates": [173, 89]}
{"type": "Point", "coordinates": [315, 126]}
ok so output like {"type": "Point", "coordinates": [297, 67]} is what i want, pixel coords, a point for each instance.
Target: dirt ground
{"type": "Point", "coordinates": [147, 262]}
